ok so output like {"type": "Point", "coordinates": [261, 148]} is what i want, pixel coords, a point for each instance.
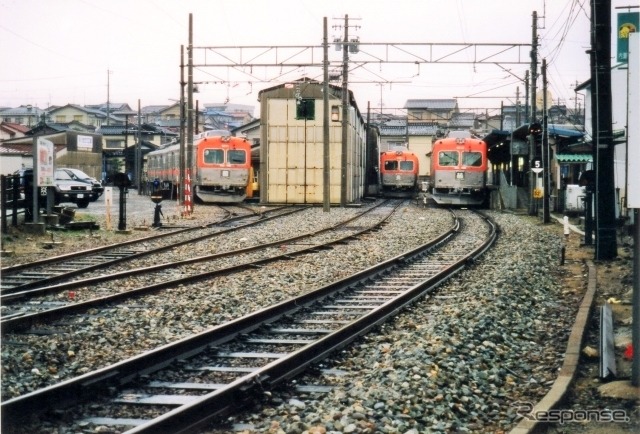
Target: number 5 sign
{"type": "Point", "coordinates": [536, 165]}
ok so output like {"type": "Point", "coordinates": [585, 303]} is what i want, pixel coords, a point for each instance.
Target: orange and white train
{"type": "Point", "coordinates": [459, 170]}
{"type": "Point", "coordinates": [221, 169]}
{"type": "Point", "coordinates": [399, 173]}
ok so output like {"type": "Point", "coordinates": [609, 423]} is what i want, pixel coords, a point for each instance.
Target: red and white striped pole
{"type": "Point", "coordinates": [187, 194]}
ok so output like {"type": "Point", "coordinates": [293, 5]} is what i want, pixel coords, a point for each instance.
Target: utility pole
{"type": "Point", "coordinates": [518, 117]}
{"type": "Point", "coordinates": [190, 111]}
{"type": "Point", "coordinates": [182, 130]}
{"type": "Point", "coordinates": [532, 140]}
{"type": "Point", "coordinates": [526, 97]}
{"type": "Point", "coordinates": [326, 179]}
{"type": "Point", "coordinates": [602, 123]}
{"type": "Point", "coordinates": [345, 113]}
{"type": "Point", "coordinates": [108, 77]}
{"type": "Point", "coordinates": [138, 152]}
{"type": "Point", "coordinates": [546, 161]}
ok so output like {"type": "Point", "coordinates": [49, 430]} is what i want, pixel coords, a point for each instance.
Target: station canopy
{"type": "Point", "coordinates": [499, 141]}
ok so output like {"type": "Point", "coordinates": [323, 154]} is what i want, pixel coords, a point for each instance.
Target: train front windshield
{"type": "Point", "coordinates": [448, 158]}
{"type": "Point", "coordinates": [213, 156]}
{"type": "Point", "coordinates": [473, 159]}
{"type": "Point", "coordinates": [452, 158]}
{"type": "Point", "coordinates": [405, 166]}
{"type": "Point", "coordinates": [236, 156]}
{"type": "Point", "coordinates": [217, 156]}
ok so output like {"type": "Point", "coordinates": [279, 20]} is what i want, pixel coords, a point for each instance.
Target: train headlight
{"type": "Point", "coordinates": [226, 173]}
{"type": "Point", "coordinates": [459, 175]}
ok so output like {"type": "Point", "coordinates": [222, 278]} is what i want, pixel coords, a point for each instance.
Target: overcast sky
{"type": "Point", "coordinates": [56, 52]}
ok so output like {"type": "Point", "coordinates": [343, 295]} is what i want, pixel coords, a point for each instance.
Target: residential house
{"type": "Point", "coordinates": [86, 116]}
{"type": "Point", "coordinates": [462, 122]}
{"type": "Point", "coordinates": [511, 118]}
{"type": "Point", "coordinates": [220, 120]}
{"type": "Point", "coordinates": [169, 118]}
{"type": "Point", "coordinates": [152, 114]}
{"type": "Point", "coordinates": [10, 130]}
{"type": "Point", "coordinates": [439, 111]}
{"type": "Point", "coordinates": [24, 115]}
{"type": "Point", "coordinates": [240, 112]}
{"type": "Point", "coordinates": [110, 107]}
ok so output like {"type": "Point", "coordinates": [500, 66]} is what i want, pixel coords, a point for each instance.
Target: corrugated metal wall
{"type": "Point", "coordinates": [292, 162]}
{"type": "Point", "coordinates": [295, 156]}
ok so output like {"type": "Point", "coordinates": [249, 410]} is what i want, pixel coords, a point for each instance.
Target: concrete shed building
{"type": "Point", "coordinates": [291, 145]}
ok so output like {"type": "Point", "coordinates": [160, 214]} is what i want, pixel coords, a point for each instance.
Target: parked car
{"type": "Point", "coordinates": [67, 189]}
{"type": "Point", "coordinates": [96, 186]}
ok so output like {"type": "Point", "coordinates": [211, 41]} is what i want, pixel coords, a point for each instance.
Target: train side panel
{"type": "Point", "coordinates": [221, 171]}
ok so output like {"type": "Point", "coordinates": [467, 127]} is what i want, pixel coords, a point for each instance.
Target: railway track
{"type": "Point", "coordinates": [27, 313]}
{"type": "Point", "coordinates": [189, 383]}
{"type": "Point", "coordinates": [20, 278]}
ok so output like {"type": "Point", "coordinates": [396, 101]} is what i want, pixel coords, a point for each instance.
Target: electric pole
{"type": "Point", "coordinates": [546, 161]}
{"type": "Point", "coordinates": [189, 159]}
{"type": "Point", "coordinates": [345, 113]}
{"type": "Point", "coordinates": [326, 179]}
{"type": "Point", "coordinates": [602, 124]}
{"type": "Point", "coordinates": [532, 139]}
{"type": "Point", "coordinates": [182, 130]}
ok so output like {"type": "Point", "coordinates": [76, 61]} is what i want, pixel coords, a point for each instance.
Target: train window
{"type": "Point", "coordinates": [406, 166]}
{"type": "Point", "coordinates": [236, 157]}
{"type": "Point", "coordinates": [213, 156]}
{"type": "Point", "coordinates": [448, 158]}
{"type": "Point", "coordinates": [473, 159]}
{"type": "Point", "coordinates": [390, 165]}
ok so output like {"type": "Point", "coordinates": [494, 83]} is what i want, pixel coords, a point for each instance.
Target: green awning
{"type": "Point", "coordinates": [574, 158]}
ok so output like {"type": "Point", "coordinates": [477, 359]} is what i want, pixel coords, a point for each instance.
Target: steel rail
{"type": "Point", "coordinates": [126, 256]}
{"type": "Point", "coordinates": [16, 323]}
{"type": "Point", "coordinates": [203, 409]}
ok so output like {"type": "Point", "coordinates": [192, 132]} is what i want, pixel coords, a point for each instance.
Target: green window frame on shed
{"type": "Point", "coordinates": [306, 108]}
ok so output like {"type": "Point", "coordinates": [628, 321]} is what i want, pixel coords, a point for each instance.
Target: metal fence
{"type": "Point", "coordinates": [11, 202]}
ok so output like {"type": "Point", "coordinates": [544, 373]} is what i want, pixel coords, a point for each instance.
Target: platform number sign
{"type": "Point", "coordinates": [536, 165]}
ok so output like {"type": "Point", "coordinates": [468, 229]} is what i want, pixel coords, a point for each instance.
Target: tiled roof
{"type": "Point", "coordinates": [111, 129]}
{"type": "Point", "coordinates": [14, 127]}
{"type": "Point", "coordinates": [422, 130]}
{"type": "Point", "coordinates": [153, 109]}
{"type": "Point", "coordinates": [428, 129]}
{"type": "Point", "coordinates": [21, 111]}
{"type": "Point", "coordinates": [431, 104]}
{"type": "Point", "coordinates": [169, 123]}
{"type": "Point", "coordinates": [17, 149]}
{"type": "Point", "coordinates": [23, 148]}
{"type": "Point", "coordinates": [462, 120]}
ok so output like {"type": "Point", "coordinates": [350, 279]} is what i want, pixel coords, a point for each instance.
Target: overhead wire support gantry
{"type": "Point", "coordinates": [299, 56]}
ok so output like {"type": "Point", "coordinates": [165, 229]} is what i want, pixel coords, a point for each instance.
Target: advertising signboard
{"type": "Point", "coordinates": [627, 24]}
{"type": "Point", "coordinates": [46, 157]}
